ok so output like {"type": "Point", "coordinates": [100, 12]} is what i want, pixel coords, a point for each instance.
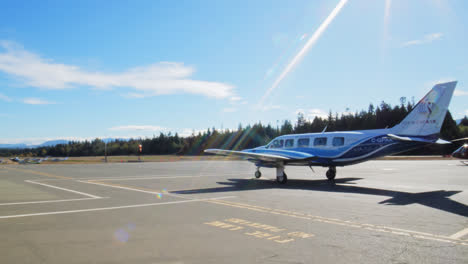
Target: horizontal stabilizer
{"type": "Point", "coordinates": [418, 139]}
{"type": "Point", "coordinates": [459, 139]}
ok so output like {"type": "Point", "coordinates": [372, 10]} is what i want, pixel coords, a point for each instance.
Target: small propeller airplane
{"type": "Point", "coordinates": [461, 152]}
{"type": "Point", "coordinates": [37, 160]}
{"type": "Point", "coordinates": [337, 149]}
{"type": "Point", "coordinates": [28, 160]}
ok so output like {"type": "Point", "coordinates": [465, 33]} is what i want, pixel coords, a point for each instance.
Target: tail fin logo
{"type": "Point", "coordinates": [428, 105]}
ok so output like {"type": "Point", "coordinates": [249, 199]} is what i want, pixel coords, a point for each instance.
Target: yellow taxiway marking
{"type": "Point", "coordinates": [39, 173]}
{"type": "Point", "coordinates": [258, 230]}
{"type": "Point", "coordinates": [376, 228]}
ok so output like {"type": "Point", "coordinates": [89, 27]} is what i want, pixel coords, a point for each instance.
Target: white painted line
{"type": "Point", "coordinates": [149, 177]}
{"type": "Point", "coordinates": [63, 189]}
{"type": "Point", "coordinates": [136, 189]}
{"type": "Point", "coordinates": [53, 201]}
{"type": "Point", "coordinates": [121, 187]}
{"type": "Point", "coordinates": [125, 178]}
{"type": "Point", "coordinates": [460, 234]}
{"type": "Point", "coordinates": [111, 208]}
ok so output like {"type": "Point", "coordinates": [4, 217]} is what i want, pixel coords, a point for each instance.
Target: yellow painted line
{"type": "Point", "coordinates": [39, 173]}
{"type": "Point", "coordinates": [454, 239]}
{"type": "Point", "coordinates": [259, 230]}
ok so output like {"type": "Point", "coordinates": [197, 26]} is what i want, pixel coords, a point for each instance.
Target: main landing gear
{"type": "Point", "coordinates": [281, 176]}
{"type": "Point", "coordinates": [331, 173]}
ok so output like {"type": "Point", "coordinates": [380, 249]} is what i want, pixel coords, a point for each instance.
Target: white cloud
{"type": "Point", "coordinates": [426, 39]}
{"type": "Point", "coordinates": [36, 101]}
{"type": "Point", "coordinates": [235, 98]}
{"type": "Point", "coordinates": [229, 109]}
{"type": "Point", "coordinates": [138, 128]}
{"type": "Point", "coordinates": [236, 101]}
{"type": "Point", "coordinates": [312, 113]}
{"type": "Point", "coordinates": [5, 98]}
{"type": "Point", "coordinates": [271, 107]}
{"type": "Point", "coordinates": [460, 93]}
{"type": "Point", "coordinates": [189, 131]}
{"type": "Point", "coordinates": [150, 80]}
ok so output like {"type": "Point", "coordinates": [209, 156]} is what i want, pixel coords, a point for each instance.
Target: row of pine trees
{"type": "Point", "coordinates": [251, 136]}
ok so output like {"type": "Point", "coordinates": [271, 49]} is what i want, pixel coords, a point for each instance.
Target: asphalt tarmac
{"type": "Point", "coordinates": [217, 212]}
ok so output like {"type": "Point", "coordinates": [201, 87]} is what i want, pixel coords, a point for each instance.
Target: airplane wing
{"type": "Point", "coordinates": [263, 155]}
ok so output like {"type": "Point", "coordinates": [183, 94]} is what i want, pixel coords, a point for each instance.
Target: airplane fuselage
{"type": "Point", "coordinates": [333, 148]}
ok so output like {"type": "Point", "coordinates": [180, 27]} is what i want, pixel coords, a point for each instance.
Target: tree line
{"type": "Point", "coordinates": [258, 134]}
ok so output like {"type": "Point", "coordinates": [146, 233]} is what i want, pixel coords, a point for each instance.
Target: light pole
{"type": "Point", "coordinates": [105, 151]}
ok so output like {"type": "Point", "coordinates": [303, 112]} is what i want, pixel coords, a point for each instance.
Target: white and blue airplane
{"type": "Point", "coordinates": [420, 127]}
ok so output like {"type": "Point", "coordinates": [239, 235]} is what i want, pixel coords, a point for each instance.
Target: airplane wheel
{"type": "Point", "coordinates": [331, 173]}
{"type": "Point", "coordinates": [283, 179]}
{"type": "Point", "coordinates": [258, 174]}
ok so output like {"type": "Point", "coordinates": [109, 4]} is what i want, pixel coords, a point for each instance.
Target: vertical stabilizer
{"type": "Point", "coordinates": [427, 116]}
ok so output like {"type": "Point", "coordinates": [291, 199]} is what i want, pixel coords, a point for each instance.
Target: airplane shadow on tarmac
{"type": "Point", "coordinates": [436, 199]}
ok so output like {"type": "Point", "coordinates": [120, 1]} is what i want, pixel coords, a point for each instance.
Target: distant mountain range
{"type": "Point", "coordinates": [49, 143]}
{"type": "Point", "coordinates": [24, 145]}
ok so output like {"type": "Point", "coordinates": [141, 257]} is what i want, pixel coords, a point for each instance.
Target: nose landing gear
{"type": "Point", "coordinates": [258, 174]}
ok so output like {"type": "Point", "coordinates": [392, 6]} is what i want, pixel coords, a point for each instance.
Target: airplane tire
{"type": "Point", "coordinates": [258, 174]}
{"type": "Point", "coordinates": [282, 180]}
{"type": "Point", "coordinates": [331, 174]}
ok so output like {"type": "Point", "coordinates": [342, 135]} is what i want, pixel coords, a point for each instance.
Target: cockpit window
{"type": "Point", "coordinates": [289, 143]}
{"type": "Point", "coordinates": [338, 141]}
{"type": "Point", "coordinates": [321, 141]}
{"type": "Point", "coordinates": [303, 142]}
{"type": "Point", "coordinates": [277, 143]}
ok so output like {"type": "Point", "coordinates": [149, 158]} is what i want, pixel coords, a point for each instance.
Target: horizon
{"type": "Point", "coordinates": [80, 71]}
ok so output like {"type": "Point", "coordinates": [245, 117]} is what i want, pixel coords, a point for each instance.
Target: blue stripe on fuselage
{"type": "Point", "coordinates": [370, 147]}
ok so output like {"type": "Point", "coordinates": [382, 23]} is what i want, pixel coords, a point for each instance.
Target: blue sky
{"type": "Point", "coordinates": [86, 69]}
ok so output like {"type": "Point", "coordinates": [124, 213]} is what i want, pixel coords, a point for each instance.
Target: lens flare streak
{"type": "Point", "coordinates": [312, 40]}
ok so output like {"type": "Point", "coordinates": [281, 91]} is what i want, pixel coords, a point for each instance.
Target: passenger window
{"type": "Point", "coordinates": [322, 141]}
{"type": "Point", "coordinates": [338, 141]}
{"type": "Point", "coordinates": [303, 142]}
{"type": "Point", "coordinates": [289, 143]}
{"type": "Point", "coordinates": [277, 143]}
